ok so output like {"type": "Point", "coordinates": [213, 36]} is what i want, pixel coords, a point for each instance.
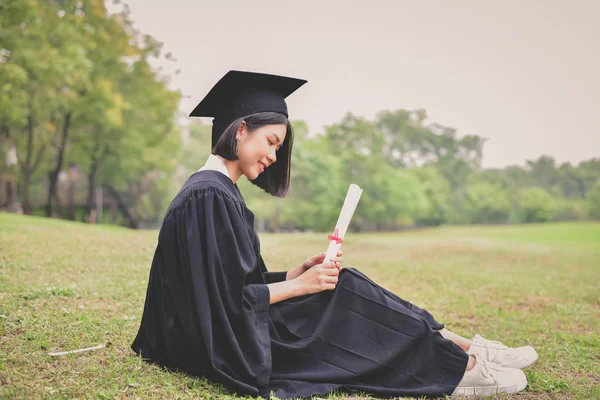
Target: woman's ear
{"type": "Point", "coordinates": [242, 129]}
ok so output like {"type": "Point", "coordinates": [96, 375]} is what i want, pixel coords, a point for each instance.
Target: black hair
{"type": "Point", "coordinates": [275, 179]}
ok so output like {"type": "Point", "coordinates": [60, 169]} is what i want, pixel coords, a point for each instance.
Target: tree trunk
{"type": "Point", "coordinates": [581, 187]}
{"type": "Point", "coordinates": [131, 221]}
{"type": "Point", "coordinates": [26, 169]}
{"type": "Point", "coordinates": [91, 200]}
{"type": "Point", "coordinates": [113, 210]}
{"type": "Point", "coordinates": [71, 200]}
{"type": "Point", "coordinates": [25, 191]}
{"type": "Point", "coordinates": [51, 190]}
{"type": "Point", "coordinates": [53, 176]}
{"type": "Point", "coordinates": [59, 206]}
{"type": "Point", "coordinates": [95, 165]}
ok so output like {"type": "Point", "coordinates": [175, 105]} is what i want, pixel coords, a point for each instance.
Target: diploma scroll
{"type": "Point", "coordinates": [350, 203]}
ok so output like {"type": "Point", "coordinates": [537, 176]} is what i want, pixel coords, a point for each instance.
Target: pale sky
{"type": "Point", "coordinates": [522, 73]}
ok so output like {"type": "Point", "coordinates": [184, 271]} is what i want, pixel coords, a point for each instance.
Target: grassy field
{"type": "Point", "coordinates": [66, 286]}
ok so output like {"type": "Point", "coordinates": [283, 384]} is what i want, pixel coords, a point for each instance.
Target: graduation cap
{"type": "Point", "coordinates": [241, 93]}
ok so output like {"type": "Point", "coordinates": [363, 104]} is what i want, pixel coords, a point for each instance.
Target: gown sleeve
{"type": "Point", "coordinates": [272, 277]}
{"type": "Point", "coordinates": [207, 308]}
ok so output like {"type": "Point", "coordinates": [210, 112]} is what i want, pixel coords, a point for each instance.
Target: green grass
{"type": "Point", "coordinates": [66, 286]}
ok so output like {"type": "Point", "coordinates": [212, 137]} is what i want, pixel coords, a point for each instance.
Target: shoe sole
{"type": "Point", "coordinates": [522, 363]}
{"type": "Point", "coordinates": [487, 390]}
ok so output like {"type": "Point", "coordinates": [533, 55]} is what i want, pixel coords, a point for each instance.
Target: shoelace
{"type": "Point", "coordinates": [485, 369]}
{"type": "Point", "coordinates": [489, 343]}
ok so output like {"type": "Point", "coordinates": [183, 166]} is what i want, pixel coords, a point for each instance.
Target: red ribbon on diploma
{"type": "Point", "coordinates": [335, 236]}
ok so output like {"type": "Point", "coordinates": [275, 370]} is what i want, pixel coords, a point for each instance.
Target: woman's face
{"type": "Point", "coordinates": [257, 150]}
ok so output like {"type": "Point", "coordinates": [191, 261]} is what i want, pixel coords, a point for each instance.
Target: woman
{"type": "Point", "coordinates": [212, 308]}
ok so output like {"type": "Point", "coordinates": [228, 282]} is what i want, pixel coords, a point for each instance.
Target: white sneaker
{"type": "Point", "coordinates": [502, 355]}
{"type": "Point", "coordinates": [487, 378]}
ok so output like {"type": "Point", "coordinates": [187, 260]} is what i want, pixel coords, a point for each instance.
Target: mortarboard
{"type": "Point", "coordinates": [241, 93]}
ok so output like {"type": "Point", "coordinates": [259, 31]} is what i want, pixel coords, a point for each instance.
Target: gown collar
{"type": "Point", "coordinates": [214, 163]}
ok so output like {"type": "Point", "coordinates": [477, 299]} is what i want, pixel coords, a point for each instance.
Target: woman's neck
{"type": "Point", "coordinates": [233, 168]}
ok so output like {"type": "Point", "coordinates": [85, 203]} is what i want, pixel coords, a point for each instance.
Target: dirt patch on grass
{"type": "Point", "coordinates": [532, 304]}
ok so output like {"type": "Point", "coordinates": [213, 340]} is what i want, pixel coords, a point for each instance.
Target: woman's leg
{"type": "Point", "coordinates": [471, 363]}
{"type": "Point", "coordinates": [460, 342]}
{"type": "Point", "coordinates": [457, 339]}
{"type": "Point", "coordinates": [502, 355]}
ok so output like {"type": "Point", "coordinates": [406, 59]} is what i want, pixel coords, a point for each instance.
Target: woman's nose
{"type": "Point", "coordinates": [272, 156]}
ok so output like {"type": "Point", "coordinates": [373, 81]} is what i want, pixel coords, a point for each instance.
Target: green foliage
{"type": "Point", "coordinates": [437, 192]}
{"type": "Point", "coordinates": [77, 88]}
{"type": "Point", "coordinates": [536, 205]}
{"type": "Point", "coordinates": [196, 147]}
{"type": "Point", "coordinates": [490, 203]}
{"type": "Point", "coordinates": [318, 185]}
{"type": "Point", "coordinates": [593, 199]}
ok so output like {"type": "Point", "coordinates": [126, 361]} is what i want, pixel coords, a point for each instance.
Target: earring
{"type": "Point", "coordinates": [236, 147]}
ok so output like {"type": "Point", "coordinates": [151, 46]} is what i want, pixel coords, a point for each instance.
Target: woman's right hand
{"type": "Point", "coordinates": [319, 278]}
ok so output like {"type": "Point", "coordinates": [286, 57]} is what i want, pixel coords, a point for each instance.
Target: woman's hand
{"type": "Point", "coordinates": [311, 262]}
{"type": "Point", "coordinates": [318, 259]}
{"type": "Point", "coordinates": [319, 277]}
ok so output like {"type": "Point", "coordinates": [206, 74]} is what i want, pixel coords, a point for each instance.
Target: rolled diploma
{"type": "Point", "coordinates": [350, 203]}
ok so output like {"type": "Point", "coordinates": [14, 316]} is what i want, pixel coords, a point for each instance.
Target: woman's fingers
{"type": "Point", "coordinates": [316, 259]}
{"type": "Point", "coordinates": [334, 271]}
{"type": "Point", "coordinates": [331, 268]}
{"type": "Point", "coordinates": [330, 276]}
{"type": "Point", "coordinates": [332, 280]}
{"type": "Point", "coordinates": [323, 276]}
{"type": "Point", "coordinates": [338, 263]}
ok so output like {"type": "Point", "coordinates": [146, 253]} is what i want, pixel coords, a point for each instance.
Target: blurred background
{"type": "Point", "coordinates": [461, 112]}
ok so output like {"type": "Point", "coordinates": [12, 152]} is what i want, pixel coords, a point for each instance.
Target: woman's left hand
{"type": "Point", "coordinates": [311, 262]}
{"type": "Point", "coordinates": [318, 259]}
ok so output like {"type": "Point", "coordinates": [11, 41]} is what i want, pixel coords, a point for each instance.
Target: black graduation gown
{"type": "Point", "coordinates": [207, 313]}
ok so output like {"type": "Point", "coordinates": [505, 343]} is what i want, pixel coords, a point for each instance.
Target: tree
{"type": "Point", "coordinates": [593, 199]}
{"type": "Point", "coordinates": [95, 114]}
{"type": "Point", "coordinates": [517, 177]}
{"type": "Point", "coordinates": [490, 203]}
{"type": "Point", "coordinates": [151, 140]}
{"type": "Point", "coordinates": [536, 205]}
{"type": "Point", "coordinates": [438, 193]}
{"type": "Point", "coordinates": [31, 37]}
{"type": "Point", "coordinates": [196, 146]}
{"type": "Point", "coordinates": [97, 101]}
{"type": "Point", "coordinates": [391, 198]}
{"type": "Point", "coordinates": [99, 117]}
{"type": "Point", "coordinates": [545, 174]}
{"type": "Point", "coordinates": [318, 183]}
